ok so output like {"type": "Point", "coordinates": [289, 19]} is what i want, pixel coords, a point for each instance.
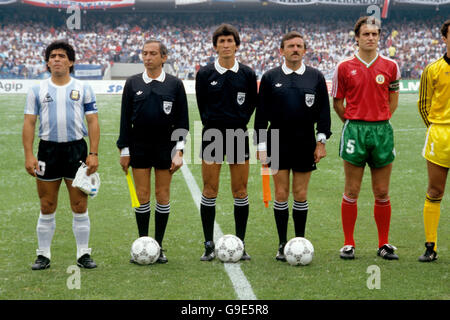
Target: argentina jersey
{"type": "Point", "coordinates": [61, 109]}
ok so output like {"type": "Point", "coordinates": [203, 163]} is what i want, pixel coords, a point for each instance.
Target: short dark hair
{"type": "Point", "coordinates": [162, 48]}
{"type": "Point", "coordinates": [291, 35]}
{"type": "Point", "coordinates": [226, 30]}
{"type": "Point", "coordinates": [367, 20]}
{"type": "Point", "coordinates": [444, 28]}
{"type": "Point", "coordinates": [59, 44]}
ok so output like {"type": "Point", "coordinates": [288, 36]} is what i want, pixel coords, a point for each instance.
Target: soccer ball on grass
{"type": "Point", "coordinates": [299, 251]}
{"type": "Point", "coordinates": [229, 248]}
{"type": "Point", "coordinates": [145, 250]}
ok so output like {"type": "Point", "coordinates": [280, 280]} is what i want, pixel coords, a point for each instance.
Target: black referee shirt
{"type": "Point", "coordinates": [152, 111]}
{"type": "Point", "coordinates": [293, 103]}
{"type": "Point", "coordinates": [226, 100]}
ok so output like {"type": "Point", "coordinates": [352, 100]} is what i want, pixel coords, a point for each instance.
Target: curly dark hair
{"type": "Point", "coordinates": [60, 45]}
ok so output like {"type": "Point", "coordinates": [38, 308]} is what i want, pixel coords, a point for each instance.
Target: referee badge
{"type": "Point", "coordinates": [309, 99]}
{"type": "Point", "coordinates": [167, 106]}
{"type": "Point", "coordinates": [240, 98]}
{"type": "Point", "coordinates": [75, 95]}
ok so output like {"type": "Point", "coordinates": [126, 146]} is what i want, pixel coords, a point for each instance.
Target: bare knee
{"type": "Point", "coordinates": [79, 205]}
{"type": "Point", "coordinates": [281, 194]}
{"type": "Point", "coordinates": [162, 195]}
{"type": "Point", "coordinates": [435, 192]}
{"type": "Point", "coordinates": [48, 206]}
{"type": "Point", "coordinates": [143, 196]}
{"type": "Point", "coordinates": [210, 190]}
{"type": "Point", "coordinates": [381, 193]}
{"type": "Point", "coordinates": [352, 192]}
{"type": "Point", "coordinates": [300, 195]}
{"type": "Point", "coordinates": [240, 193]}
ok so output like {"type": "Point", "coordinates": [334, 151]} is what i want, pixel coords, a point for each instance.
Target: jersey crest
{"type": "Point", "coordinates": [309, 99]}
{"type": "Point", "coordinates": [240, 98]}
{"type": "Point", "coordinates": [379, 79]}
{"type": "Point", "coordinates": [167, 106]}
{"type": "Point", "coordinates": [75, 95]}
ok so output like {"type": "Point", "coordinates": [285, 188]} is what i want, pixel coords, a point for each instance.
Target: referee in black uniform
{"type": "Point", "coordinates": [292, 98]}
{"type": "Point", "coordinates": [226, 98]}
{"type": "Point", "coordinates": [153, 127]}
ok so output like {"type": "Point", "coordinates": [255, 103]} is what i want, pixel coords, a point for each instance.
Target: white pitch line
{"type": "Point", "coordinates": [241, 285]}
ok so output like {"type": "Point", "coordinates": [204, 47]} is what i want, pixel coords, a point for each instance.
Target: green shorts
{"type": "Point", "coordinates": [367, 142]}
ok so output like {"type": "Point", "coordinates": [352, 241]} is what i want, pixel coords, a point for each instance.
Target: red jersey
{"type": "Point", "coordinates": [366, 87]}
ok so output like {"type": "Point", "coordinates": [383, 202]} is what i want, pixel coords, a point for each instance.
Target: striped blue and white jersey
{"type": "Point", "coordinates": [61, 109]}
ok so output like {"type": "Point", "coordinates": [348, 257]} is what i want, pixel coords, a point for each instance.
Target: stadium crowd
{"type": "Point", "coordinates": [110, 38]}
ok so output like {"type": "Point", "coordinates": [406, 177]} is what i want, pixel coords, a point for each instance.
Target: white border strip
{"type": "Point", "coordinates": [241, 285]}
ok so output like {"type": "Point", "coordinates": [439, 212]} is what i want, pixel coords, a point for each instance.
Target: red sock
{"type": "Point", "coordinates": [382, 214]}
{"type": "Point", "coordinates": [349, 212]}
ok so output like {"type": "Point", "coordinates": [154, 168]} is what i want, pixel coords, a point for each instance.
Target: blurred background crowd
{"type": "Point", "coordinates": [105, 39]}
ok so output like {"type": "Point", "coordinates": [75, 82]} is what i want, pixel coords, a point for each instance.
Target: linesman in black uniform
{"type": "Point", "coordinates": [226, 98]}
{"type": "Point", "coordinates": [292, 98]}
{"type": "Point", "coordinates": [153, 128]}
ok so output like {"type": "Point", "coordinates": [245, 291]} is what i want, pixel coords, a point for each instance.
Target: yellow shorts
{"type": "Point", "coordinates": [437, 144]}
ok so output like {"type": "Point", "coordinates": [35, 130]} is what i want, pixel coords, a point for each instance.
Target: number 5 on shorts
{"type": "Point", "coordinates": [350, 146]}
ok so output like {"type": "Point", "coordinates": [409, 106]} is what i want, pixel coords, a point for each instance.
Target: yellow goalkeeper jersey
{"type": "Point", "coordinates": [434, 92]}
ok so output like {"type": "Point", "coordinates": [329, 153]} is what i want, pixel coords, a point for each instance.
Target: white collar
{"type": "Point", "coordinates": [222, 70]}
{"type": "Point", "coordinates": [365, 63]}
{"type": "Point", "coordinates": [147, 79]}
{"type": "Point", "coordinates": [59, 86]}
{"type": "Point", "coordinates": [287, 71]}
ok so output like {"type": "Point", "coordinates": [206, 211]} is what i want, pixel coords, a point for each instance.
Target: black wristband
{"type": "Point", "coordinates": [93, 153]}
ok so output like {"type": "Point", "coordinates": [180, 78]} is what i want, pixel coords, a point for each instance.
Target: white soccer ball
{"type": "Point", "coordinates": [145, 250]}
{"type": "Point", "coordinates": [229, 248]}
{"type": "Point", "coordinates": [299, 251]}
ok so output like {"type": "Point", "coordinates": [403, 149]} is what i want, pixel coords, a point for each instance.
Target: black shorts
{"type": "Point", "coordinates": [218, 143]}
{"type": "Point", "coordinates": [295, 152]}
{"type": "Point", "coordinates": [151, 155]}
{"type": "Point", "coordinates": [59, 160]}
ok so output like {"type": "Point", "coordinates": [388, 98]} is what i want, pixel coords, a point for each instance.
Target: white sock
{"type": "Point", "coordinates": [45, 230]}
{"type": "Point", "coordinates": [81, 227]}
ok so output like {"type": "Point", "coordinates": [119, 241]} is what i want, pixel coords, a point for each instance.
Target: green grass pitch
{"type": "Point", "coordinates": [113, 229]}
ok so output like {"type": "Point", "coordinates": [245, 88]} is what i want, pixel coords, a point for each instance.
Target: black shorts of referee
{"type": "Point", "coordinates": [221, 143]}
{"type": "Point", "coordinates": [57, 160]}
{"type": "Point", "coordinates": [295, 150]}
{"type": "Point", "coordinates": [144, 155]}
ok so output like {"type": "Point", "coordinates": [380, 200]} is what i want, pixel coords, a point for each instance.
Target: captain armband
{"type": "Point", "coordinates": [394, 85]}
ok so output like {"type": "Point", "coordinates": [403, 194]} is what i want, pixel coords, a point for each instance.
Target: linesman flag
{"type": "Point", "coordinates": [267, 195]}
{"type": "Point", "coordinates": [134, 200]}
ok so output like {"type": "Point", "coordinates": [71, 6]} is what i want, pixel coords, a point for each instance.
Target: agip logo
{"type": "Point", "coordinates": [10, 86]}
